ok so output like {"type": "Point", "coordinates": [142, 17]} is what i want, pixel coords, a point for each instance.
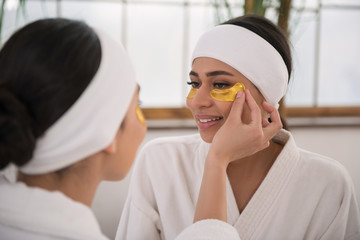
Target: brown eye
{"type": "Point", "coordinates": [221, 85]}
{"type": "Point", "coordinates": [194, 84]}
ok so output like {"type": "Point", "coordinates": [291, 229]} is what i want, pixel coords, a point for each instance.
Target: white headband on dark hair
{"type": "Point", "coordinates": [91, 123]}
{"type": "Point", "coordinates": [249, 54]}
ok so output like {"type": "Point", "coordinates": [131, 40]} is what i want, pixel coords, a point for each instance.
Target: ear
{"type": "Point", "coordinates": [111, 149]}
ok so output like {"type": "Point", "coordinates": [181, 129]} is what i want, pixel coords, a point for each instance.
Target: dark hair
{"type": "Point", "coordinates": [268, 31]}
{"type": "Point", "coordinates": [44, 68]}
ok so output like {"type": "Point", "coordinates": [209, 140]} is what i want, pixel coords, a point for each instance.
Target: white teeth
{"type": "Point", "coordinates": [209, 120]}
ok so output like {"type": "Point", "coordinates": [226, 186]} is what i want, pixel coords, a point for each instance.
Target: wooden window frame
{"type": "Point", "coordinates": [184, 113]}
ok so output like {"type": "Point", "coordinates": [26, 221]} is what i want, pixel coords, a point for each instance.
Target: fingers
{"type": "Point", "coordinates": [274, 127]}
{"type": "Point", "coordinates": [255, 113]}
{"type": "Point", "coordinates": [268, 129]}
{"type": "Point", "coordinates": [237, 107]}
{"type": "Point", "coordinates": [265, 123]}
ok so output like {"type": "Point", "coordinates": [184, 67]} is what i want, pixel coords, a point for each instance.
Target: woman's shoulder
{"type": "Point", "coordinates": [312, 165]}
{"type": "Point", "coordinates": [325, 168]}
{"type": "Point", "coordinates": [320, 161]}
{"type": "Point", "coordinates": [24, 208]}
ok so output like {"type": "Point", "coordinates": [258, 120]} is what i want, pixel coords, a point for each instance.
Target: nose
{"type": "Point", "coordinates": [201, 99]}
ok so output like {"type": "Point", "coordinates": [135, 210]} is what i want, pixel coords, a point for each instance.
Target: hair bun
{"type": "Point", "coordinates": [17, 141]}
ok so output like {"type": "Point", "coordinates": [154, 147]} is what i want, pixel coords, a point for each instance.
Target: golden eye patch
{"type": "Point", "coordinates": [224, 95]}
{"type": "Point", "coordinates": [140, 116]}
{"type": "Point", "coordinates": [192, 93]}
{"type": "Point", "coordinates": [227, 95]}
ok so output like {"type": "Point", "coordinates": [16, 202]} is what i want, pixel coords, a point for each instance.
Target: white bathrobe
{"type": "Point", "coordinates": [304, 195]}
{"type": "Point", "coordinates": [28, 213]}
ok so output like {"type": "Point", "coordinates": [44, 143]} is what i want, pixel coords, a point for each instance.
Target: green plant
{"type": "Point", "coordinates": [223, 10]}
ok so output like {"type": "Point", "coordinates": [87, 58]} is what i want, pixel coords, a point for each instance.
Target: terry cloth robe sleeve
{"type": "Point", "coordinates": [209, 229]}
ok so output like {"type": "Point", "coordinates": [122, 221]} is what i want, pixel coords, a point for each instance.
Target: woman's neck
{"type": "Point", "coordinates": [260, 161]}
{"type": "Point", "coordinates": [78, 182]}
{"type": "Point", "coordinates": [246, 175]}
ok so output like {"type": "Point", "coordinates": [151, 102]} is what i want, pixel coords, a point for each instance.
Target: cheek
{"type": "Point", "coordinates": [141, 132]}
{"type": "Point", "coordinates": [188, 102]}
{"type": "Point", "coordinates": [137, 132]}
{"type": "Point", "coordinates": [224, 107]}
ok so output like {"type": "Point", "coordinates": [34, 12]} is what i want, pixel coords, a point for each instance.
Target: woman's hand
{"type": "Point", "coordinates": [236, 139]}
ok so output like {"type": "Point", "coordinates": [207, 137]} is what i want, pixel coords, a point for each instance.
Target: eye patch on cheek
{"type": "Point", "coordinates": [140, 116]}
{"type": "Point", "coordinates": [227, 95]}
{"type": "Point", "coordinates": [223, 95]}
{"type": "Point", "coordinates": [192, 93]}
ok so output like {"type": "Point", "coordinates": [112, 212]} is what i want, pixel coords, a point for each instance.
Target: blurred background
{"type": "Point", "coordinates": [322, 106]}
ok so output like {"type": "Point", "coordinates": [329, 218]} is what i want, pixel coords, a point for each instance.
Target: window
{"type": "Point", "coordinates": [326, 57]}
{"type": "Point", "coordinates": [160, 35]}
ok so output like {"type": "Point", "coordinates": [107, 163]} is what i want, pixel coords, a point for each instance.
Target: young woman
{"type": "Point", "coordinates": [68, 101]}
{"type": "Point", "coordinates": [68, 120]}
{"type": "Point", "coordinates": [265, 189]}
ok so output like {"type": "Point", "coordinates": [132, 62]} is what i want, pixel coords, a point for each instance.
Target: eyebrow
{"type": "Point", "coordinates": [193, 74]}
{"type": "Point", "coordinates": [212, 74]}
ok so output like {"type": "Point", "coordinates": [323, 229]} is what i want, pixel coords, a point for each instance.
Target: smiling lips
{"type": "Point", "coordinates": [207, 121]}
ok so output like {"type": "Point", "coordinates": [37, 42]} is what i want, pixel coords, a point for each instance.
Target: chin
{"type": "Point", "coordinates": [206, 137]}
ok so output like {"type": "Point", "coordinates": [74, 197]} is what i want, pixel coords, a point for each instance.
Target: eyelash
{"type": "Point", "coordinates": [193, 84]}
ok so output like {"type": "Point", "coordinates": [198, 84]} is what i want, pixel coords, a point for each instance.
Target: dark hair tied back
{"type": "Point", "coordinates": [44, 68]}
{"type": "Point", "coordinates": [15, 130]}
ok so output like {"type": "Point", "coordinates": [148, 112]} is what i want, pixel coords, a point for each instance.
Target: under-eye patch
{"type": "Point", "coordinates": [192, 93]}
{"type": "Point", "coordinates": [224, 95]}
{"type": "Point", "coordinates": [140, 116]}
{"type": "Point", "coordinates": [228, 94]}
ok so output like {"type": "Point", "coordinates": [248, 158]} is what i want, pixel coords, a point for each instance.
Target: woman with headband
{"type": "Point", "coordinates": [68, 100]}
{"type": "Point", "coordinates": [68, 120]}
{"type": "Point", "coordinates": [264, 186]}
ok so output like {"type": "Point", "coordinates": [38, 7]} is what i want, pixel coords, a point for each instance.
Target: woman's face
{"type": "Point", "coordinates": [128, 139]}
{"type": "Point", "coordinates": [208, 74]}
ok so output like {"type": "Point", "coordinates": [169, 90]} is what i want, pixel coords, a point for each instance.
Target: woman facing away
{"type": "Point", "coordinates": [68, 120]}
{"type": "Point", "coordinates": [266, 190]}
{"type": "Point", "coordinates": [68, 101]}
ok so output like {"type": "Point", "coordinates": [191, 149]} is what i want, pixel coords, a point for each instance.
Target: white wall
{"type": "Point", "coordinates": [340, 143]}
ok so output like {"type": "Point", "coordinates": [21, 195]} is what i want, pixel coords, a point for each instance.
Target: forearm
{"type": "Point", "coordinates": [211, 202]}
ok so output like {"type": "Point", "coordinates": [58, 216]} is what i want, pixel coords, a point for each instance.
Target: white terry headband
{"type": "Point", "coordinates": [91, 123]}
{"type": "Point", "coordinates": [249, 54]}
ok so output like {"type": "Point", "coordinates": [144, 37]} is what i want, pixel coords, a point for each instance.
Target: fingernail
{"type": "Point", "coordinates": [239, 93]}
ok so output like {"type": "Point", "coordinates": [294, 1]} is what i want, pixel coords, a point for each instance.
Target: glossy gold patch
{"type": "Point", "coordinates": [140, 116]}
{"type": "Point", "coordinates": [223, 95]}
{"type": "Point", "coordinates": [227, 95]}
{"type": "Point", "coordinates": [192, 93]}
